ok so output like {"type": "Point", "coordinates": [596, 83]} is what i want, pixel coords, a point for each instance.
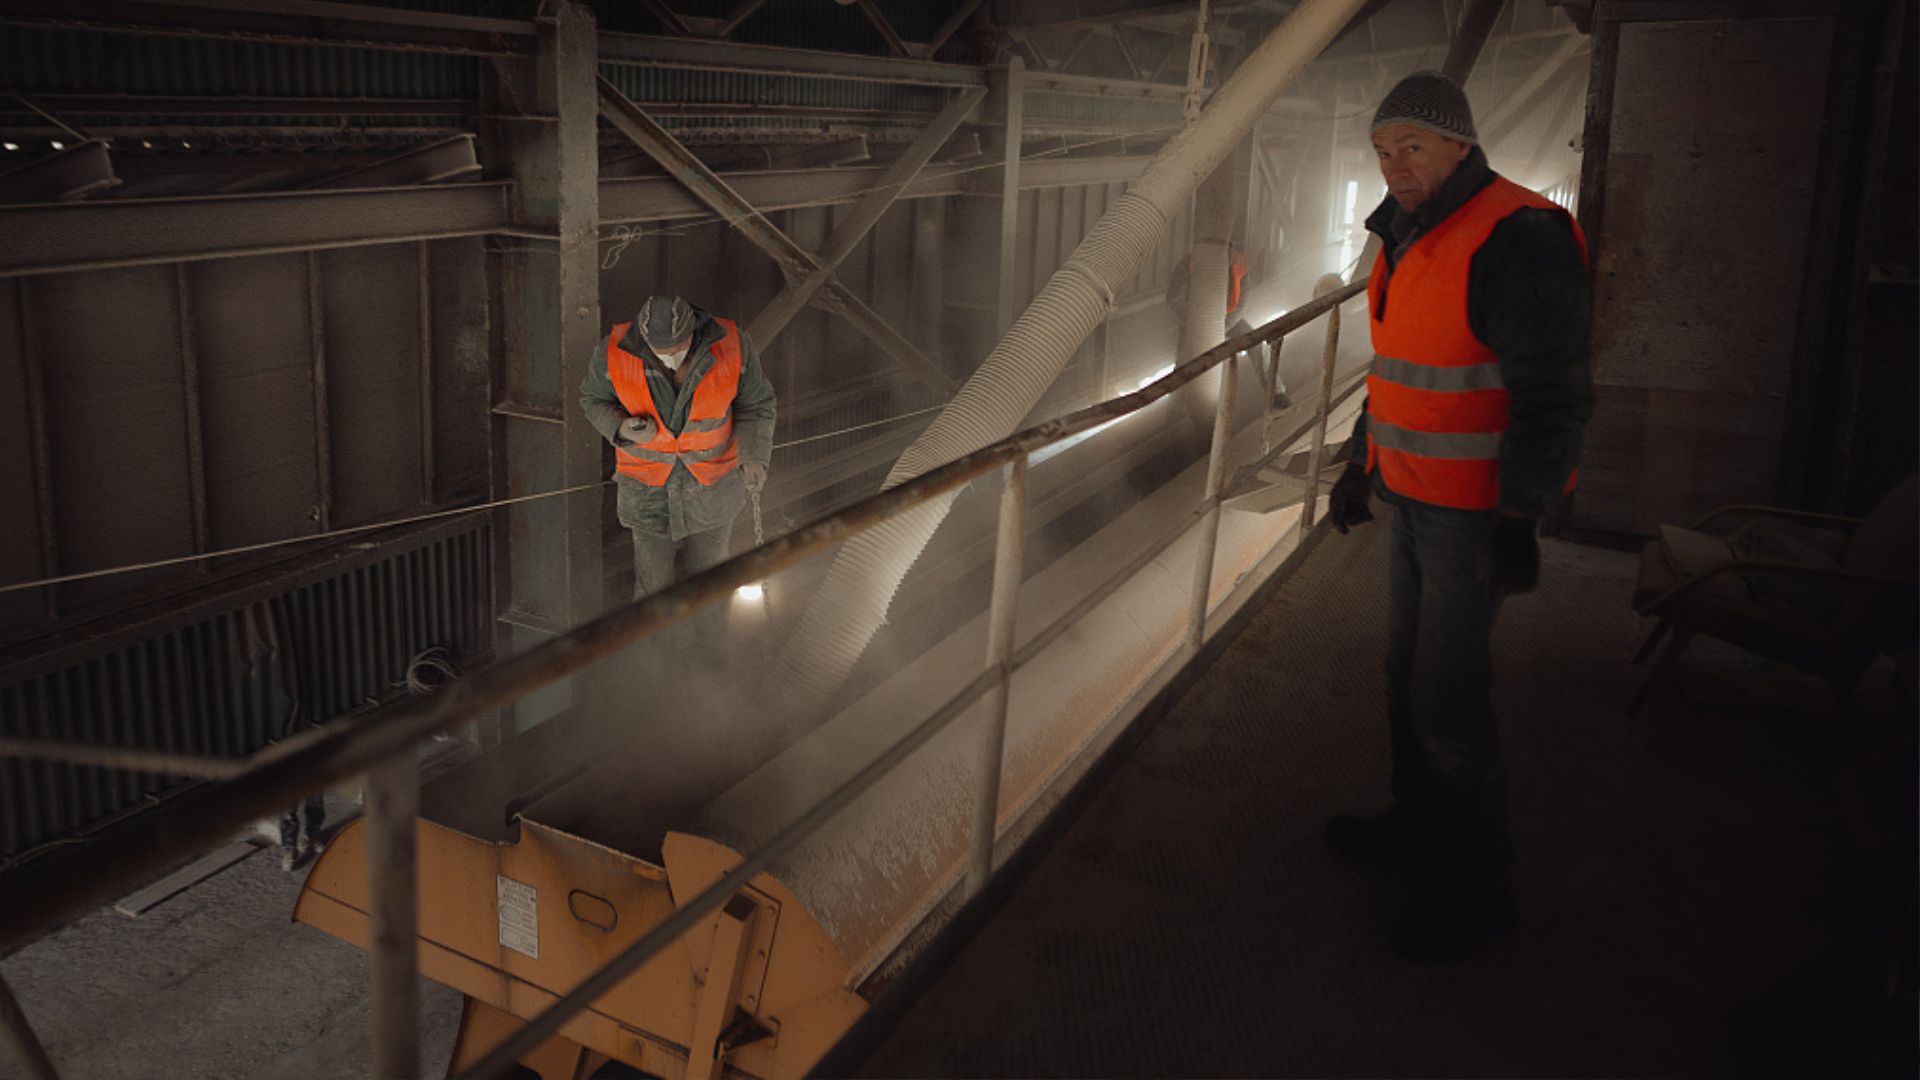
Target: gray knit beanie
{"type": "Point", "coordinates": [1428, 99]}
{"type": "Point", "coordinates": [665, 321]}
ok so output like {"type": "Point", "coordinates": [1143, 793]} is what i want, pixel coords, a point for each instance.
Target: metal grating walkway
{"type": "Point", "coordinates": [1191, 922]}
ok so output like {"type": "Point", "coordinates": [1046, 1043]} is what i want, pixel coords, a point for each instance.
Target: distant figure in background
{"type": "Point", "coordinates": [1177, 286]}
{"type": "Point", "coordinates": [1477, 400]}
{"type": "Point", "coordinates": [680, 395]}
{"type": "Point", "coordinates": [295, 849]}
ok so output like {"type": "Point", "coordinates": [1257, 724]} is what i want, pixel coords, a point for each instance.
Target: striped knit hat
{"type": "Point", "coordinates": [665, 321]}
{"type": "Point", "coordinates": [1428, 99]}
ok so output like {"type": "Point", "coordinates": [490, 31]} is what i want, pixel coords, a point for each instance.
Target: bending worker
{"type": "Point", "coordinates": [680, 395]}
{"type": "Point", "coordinates": [1476, 404]}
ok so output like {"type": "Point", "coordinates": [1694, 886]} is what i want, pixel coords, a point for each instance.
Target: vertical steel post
{"type": "Point", "coordinates": [190, 400]}
{"type": "Point", "coordinates": [20, 1037]}
{"type": "Point", "coordinates": [393, 802]}
{"type": "Point", "coordinates": [1210, 504]}
{"type": "Point", "coordinates": [423, 264]}
{"type": "Point", "coordinates": [1316, 459]}
{"type": "Point", "coordinates": [322, 437]}
{"type": "Point", "coordinates": [35, 368]}
{"type": "Point", "coordinates": [1016, 92]}
{"type": "Point", "coordinates": [1007, 550]}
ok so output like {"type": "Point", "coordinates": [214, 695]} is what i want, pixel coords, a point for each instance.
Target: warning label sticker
{"type": "Point", "coordinates": [519, 917]}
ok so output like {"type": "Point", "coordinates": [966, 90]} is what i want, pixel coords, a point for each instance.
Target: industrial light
{"type": "Point", "coordinates": [58, 145]}
{"type": "Point", "coordinates": [11, 145]}
{"type": "Point", "coordinates": [754, 591]}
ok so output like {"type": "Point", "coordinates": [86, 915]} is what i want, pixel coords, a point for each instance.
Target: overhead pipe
{"type": "Point", "coordinates": [852, 602]}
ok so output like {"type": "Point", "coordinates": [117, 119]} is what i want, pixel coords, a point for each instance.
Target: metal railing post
{"type": "Point", "coordinates": [1317, 457]}
{"type": "Point", "coordinates": [393, 804]}
{"type": "Point", "coordinates": [31, 1056]}
{"type": "Point", "coordinates": [1210, 504]}
{"type": "Point", "coordinates": [1007, 551]}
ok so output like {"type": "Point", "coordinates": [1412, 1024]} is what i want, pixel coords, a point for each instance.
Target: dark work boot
{"type": "Point", "coordinates": [1393, 839]}
{"type": "Point", "coordinates": [1450, 924]}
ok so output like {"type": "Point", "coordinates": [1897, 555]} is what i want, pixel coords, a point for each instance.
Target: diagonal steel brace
{"type": "Point", "coordinates": [795, 262]}
{"type": "Point", "coordinates": [782, 308]}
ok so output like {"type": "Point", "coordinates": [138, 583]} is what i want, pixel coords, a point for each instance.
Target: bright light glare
{"type": "Point", "coordinates": [754, 591]}
{"type": "Point", "coordinates": [1155, 377]}
{"type": "Point", "coordinates": [11, 145]}
{"type": "Point", "coordinates": [1353, 199]}
{"type": "Point", "coordinates": [58, 145]}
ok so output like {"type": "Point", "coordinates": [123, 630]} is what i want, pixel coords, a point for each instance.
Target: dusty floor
{"type": "Point", "coordinates": [217, 981]}
{"type": "Point", "coordinates": [1192, 922]}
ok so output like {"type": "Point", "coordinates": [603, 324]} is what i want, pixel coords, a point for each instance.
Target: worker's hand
{"type": "Point", "coordinates": [755, 475]}
{"type": "Point", "coordinates": [1513, 555]}
{"type": "Point", "coordinates": [1347, 502]}
{"type": "Point", "coordinates": [636, 429]}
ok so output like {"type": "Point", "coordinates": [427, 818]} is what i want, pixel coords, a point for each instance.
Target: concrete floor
{"type": "Point", "coordinates": [217, 981]}
{"type": "Point", "coordinates": [1192, 922]}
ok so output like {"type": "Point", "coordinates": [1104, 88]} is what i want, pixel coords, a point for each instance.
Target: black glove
{"type": "Point", "coordinates": [1513, 555]}
{"type": "Point", "coordinates": [1347, 502]}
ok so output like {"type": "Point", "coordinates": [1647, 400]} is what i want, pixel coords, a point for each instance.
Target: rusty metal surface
{"type": "Point", "coordinates": [1693, 385]}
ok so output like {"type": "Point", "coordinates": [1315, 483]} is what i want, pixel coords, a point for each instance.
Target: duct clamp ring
{"type": "Point", "coordinates": [1106, 294]}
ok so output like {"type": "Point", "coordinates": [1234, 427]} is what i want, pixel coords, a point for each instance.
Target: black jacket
{"type": "Point", "coordinates": [1528, 300]}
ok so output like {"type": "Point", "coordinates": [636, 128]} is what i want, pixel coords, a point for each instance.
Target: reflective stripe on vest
{"type": "Point", "coordinates": [1436, 402]}
{"type": "Point", "coordinates": [706, 443]}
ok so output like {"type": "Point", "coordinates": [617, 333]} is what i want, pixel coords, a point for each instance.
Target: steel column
{"type": "Point", "coordinates": [35, 367]}
{"type": "Point", "coordinates": [707, 186]}
{"type": "Point", "coordinates": [423, 263]}
{"type": "Point", "coordinates": [393, 804]}
{"type": "Point", "coordinates": [190, 400]}
{"type": "Point", "coordinates": [774, 317]}
{"type": "Point", "coordinates": [322, 437]}
{"type": "Point", "coordinates": [1210, 505]}
{"type": "Point", "coordinates": [1317, 456]}
{"type": "Point", "coordinates": [1476, 24]}
{"type": "Point", "coordinates": [1013, 86]}
{"type": "Point", "coordinates": [1004, 604]}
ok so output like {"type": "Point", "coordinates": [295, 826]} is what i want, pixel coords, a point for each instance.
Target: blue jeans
{"type": "Point", "coordinates": [1448, 773]}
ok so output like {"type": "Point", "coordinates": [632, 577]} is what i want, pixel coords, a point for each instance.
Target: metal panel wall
{"type": "Point", "coordinates": [235, 678]}
{"type": "Point", "coordinates": [197, 407]}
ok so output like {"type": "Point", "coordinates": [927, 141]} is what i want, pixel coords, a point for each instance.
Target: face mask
{"type": "Point", "coordinates": [672, 359]}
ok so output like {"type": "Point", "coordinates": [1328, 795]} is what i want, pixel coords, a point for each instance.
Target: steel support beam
{"type": "Point", "coordinates": [1505, 116]}
{"type": "Point", "coordinates": [879, 20]}
{"type": "Point", "coordinates": [1476, 25]}
{"type": "Point", "coordinates": [952, 26]}
{"type": "Point", "coordinates": [139, 232]}
{"type": "Point", "coordinates": [702, 55]}
{"type": "Point", "coordinates": [1012, 89]}
{"type": "Point", "coordinates": [847, 235]}
{"type": "Point", "coordinates": [304, 22]}
{"type": "Point", "coordinates": [709, 188]}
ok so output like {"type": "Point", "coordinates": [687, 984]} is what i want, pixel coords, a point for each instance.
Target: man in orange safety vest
{"type": "Point", "coordinates": [1477, 399]}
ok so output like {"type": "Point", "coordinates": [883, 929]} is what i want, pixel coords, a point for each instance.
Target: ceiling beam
{"type": "Point", "coordinates": [301, 22]}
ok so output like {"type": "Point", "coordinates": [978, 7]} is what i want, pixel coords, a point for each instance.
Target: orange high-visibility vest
{"type": "Point", "coordinates": [706, 445]}
{"type": "Point", "coordinates": [1436, 403]}
{"type": "Point", "coordinates": [1236, 273]}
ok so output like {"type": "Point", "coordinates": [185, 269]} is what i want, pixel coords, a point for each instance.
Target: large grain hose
{"type": "Point", "coordinates": [851, 604]}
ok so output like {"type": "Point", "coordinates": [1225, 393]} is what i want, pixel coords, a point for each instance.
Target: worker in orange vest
{"type": "Point", "coordinates": [1477, 400]}
{"type": "Point", "coordinates": [680, 395]}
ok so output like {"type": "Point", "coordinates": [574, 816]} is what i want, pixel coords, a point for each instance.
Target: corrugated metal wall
{"type": "Point", "coordinates": [236, 677]}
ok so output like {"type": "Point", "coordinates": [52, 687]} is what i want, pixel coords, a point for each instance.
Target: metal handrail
{"type": "Point", "coordinates": [52, 888]}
